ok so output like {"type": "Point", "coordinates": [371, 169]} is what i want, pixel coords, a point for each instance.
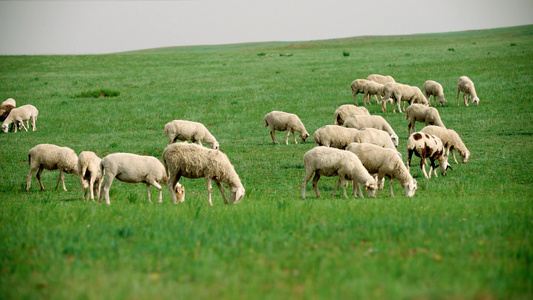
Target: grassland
{"type": "Point", "coordinates": [466, 235]}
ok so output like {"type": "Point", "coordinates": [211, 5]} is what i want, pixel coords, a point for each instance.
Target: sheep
{"type": "Point", "coordinates": [132, 168]}
{"type": "Point", "coordinates": [451, 141]}
{"type": "Point", "coordinates": [329, 162]}
{"type": "Point", "coordinates": [347, 110]}
{"type": "Point", "coordinates": [335, 136]}
{"type": "Point", "coordinates": [5, 109]}
{"type": "Point", "coordinates": [380, 79]}
{"type": "Point", "coordinates": [402, 92]}
{"type": "Point", "coordinates": [357, 87]}
{"type": "Point", "coordinates": [193, 161]}
{"type": "Point", "coordinates": [427, 146]}
{"type": "Point", "coordinates": [371, 88]}
{"type": "Point", "coordinates": [282, 121]}
{"type": "Point", "coordinates": [10, 101]}
{"type": "Point", "coordinates": [433, 88]}
{"type": "Point", "coordinates": [51, 157]}
{"type": "Point", "coordinates": [422, 113]}
{"type": "Point", "coordinates": [374, 136]}
{"type": "Point", "coordinates": [377, 122]}
{"type": "Point", "coordinates": [189, 131]}
{"type": "Point", "coordinates": [20, 114]}
{"type": "Point", "coordinates": [90, 174]}
{"type": "Point", "coordinates": [385, 163]}
{"type": "Point", "coordinates": [466, 86]}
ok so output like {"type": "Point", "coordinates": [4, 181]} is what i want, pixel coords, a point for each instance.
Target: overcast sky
{"type": "Point", "coordinates": [93, 27]}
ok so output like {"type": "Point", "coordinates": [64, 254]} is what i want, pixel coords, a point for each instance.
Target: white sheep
{"type": "Point", "coordinates": [433, 88]}
{"type": "Point", "coordinates": [282, 121]}
{"type": "Point", "coordinates": [402, 92]}
{"type": "Point", "coordinates": [10, 101]}
{"type": "Point", "coordinates": [357, 87]}
{"type": "Point", "coordinates": [132, 168]}
{"type": "Point", "coordinates": [189, 131]}
{"type": "Point", "coordinates": [51, 157]}
{"type": "Point", "coordinates": [377, 122]}
{"type": "Point", "coordinates": [329, 162]}
{"type": "Point", "coordinates": [466, 86]}
{"type": "Point", "coordinates": [427, 146]}
{"type": "Point", "coordinates": [374, 136]}
{"type": "Point", "coordinates": [347, 110]}
{"type": "Point", "coordinates": [383, 79]}
{"type": "Point", "coordinates": [194, 161]}
{"type": "Point", "coordinates": [372, 88]}
{"type": "Point", "coordinates": [335, 136]}
{"type": "Point", "coordinates": [19, 115]}
{"type": "Point", "coordinates": [451, 141]}
{"type": "Point", "coordinates": [385, 163]}
{"type": "Point", "coordinates": [421, 113]}
{"type": "Point", "coordinates": [89, 167]}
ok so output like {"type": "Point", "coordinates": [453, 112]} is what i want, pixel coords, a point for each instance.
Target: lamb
{"type": "Point", "coordinates": [324, 161]}
{"type": "Point", "coordinates": [282, 121]}
{"type": "Point", "coordinates": [90, 174]}
{"type": "Point", "coordinates": [380, 79]}
{"type": "Point", "coordinates": [335, 136]}
{"type": "Point", "coordinates": [345, 111]}
{"type": "Point", "coordinates": [433, 88]}
{"type": "Point", "coordinates": [371, 88]}
{"type": "Point", "coordinates": [427, 146]}
{"type": "Point", "coordinates": [193, 161]}
{"type": "Point", "coordinates": [132, 168]}
{"type": "Point", "coordinates": [385, 163]}
{"type": "Point", "coordinates": [422, 113]}
{"type": "Point", "coordinates": [189, 131]}
{"type": "Point", "coordinates": [466, 86]}
{"type": "Point", "coordinates": [451, 141]}
{"type": "Point", "coordinates": [10, 101]}
{"type": "Point", "coordinates": [20, 114]}
{"type": "Point", "coordinates": [51, 157]}
{"type": "Point", "coordinates": [377, 122]}
{"type": "Point", "coordinates": [402, 92]}
{"type": "Point", "coordinates": [357, 87]}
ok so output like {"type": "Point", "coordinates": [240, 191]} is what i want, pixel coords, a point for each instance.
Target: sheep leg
{"type": "Point", "coordinates": [458, 92]}
{"type": "Point", "coordinates": [315, 184]}
{"type": "Point", "coordinates": [339, 182]}
{"type": "Point", "coordinates": [107, 185]}
{"type": "Point", "coordinates": [287, 138]}
{"type": "Point", "coordinates": [39, 178]}
{"type": "Point", "coordinates": [466, 98]}
{"type": "Point", "coordinates": [304, 182]}
{"type": "Point", "coordinates": [171, 183]}
{"type": "Point", "coordinates": [359, 190]}
{"type": "Point", "coordinates": [453, 154]}
{"type": "Point", "coordinates": [294, 137]}
{"type": "Point", "coordinates": [221, 188]}
{"type": "Point", "coordinates": [423, 167]}
{"type": "Point", "coordinates": [97, 188]}
{"type": "Point", "coordinates": [33, 119]}
{"type": "Point", "coordinates": [62, 179]}
{"type": "Point", "coordinates": [28, 179]}
{"type": "Point", "coordinates": [91, 187]}
{"type": "Point", "coordinates": [273, 136]}
{"type": "Point", "coordinates": [209, 190]}
{"type": "Point", "coordinates": [390, 187]}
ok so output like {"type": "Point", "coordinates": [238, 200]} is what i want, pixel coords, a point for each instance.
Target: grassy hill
{"type": "Point", "coordinates": [464, 235]}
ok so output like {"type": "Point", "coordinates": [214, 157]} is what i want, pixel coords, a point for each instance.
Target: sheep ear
{"type": "Point", "coordinates": [449, 167]}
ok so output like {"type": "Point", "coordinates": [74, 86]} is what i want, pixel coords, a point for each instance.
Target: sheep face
{"type": "Point", "coordinates": [444, 165]}
{"type": "Point", "coordinates": [394, 139]}
{"type": "Point", "coordinates": [371, 188]}
{"type": "Point", "coordinates": [304, 137]}
{"type": "Point", "coordinates": [179, 191]}
{"type": "Point", "coordinates": [465, 156]}
{"type": "Point", "coordinates": [410, 188]}
{"type": "Point", "coordinates": [5, 127]}
{"type": "Point", "coordinates": [216, 146]}
{"type": "Point", "coordinates": [236, 195]}
{"type": "Point", "coordinates": [442, 101]}
{"type": "Point", "coordinates": [475, 101]}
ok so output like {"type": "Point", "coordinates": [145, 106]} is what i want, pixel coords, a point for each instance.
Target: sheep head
{"type": "Point", "coordinates": [304, 136]}
{"type": "Point", "coordinates": [215, 146]}
{"type": "Point", "coordinates": [5, 127]}
{"type": "Point", "coordinates": [236, 194]}
{"type": "Point", "coordinates": [370, 187]}
{"type": "Point", "coordinates": [179, 191]}
{"type": "Point", "coordinates": [394, 139]}
{"type": "Point", "coordinates": [465, 156]}
{"type": "Point", "coordinates": [475, 101]}
{"type": "Point", "coordinates": [410, 188]}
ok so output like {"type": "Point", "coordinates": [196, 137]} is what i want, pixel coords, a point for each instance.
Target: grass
{"type": "Point", "coordinates": [466, 235]}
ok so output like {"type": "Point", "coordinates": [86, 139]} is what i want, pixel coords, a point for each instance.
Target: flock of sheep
{"type": "Point", "coordinates": [360, 148]}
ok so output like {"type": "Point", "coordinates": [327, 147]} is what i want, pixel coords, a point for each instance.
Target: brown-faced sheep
{"type": "Point", "coordinates": [429, 146]}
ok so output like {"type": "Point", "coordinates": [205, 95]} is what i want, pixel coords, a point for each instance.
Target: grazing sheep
{"type": "Point", "coordinates": [193, 161]}
{"type": "Point", "coordinates": [90, 174]}
{"type": "Point", "coordinates": [427, 146]}
{"type": "Point", "coordinates": [20, 114]}
{"type": "Point", "coordinates": [377, 122]}
{"type": "Point", "coordinates": [282, 121]}
{"type": "Point", "coordinates": [329, 162]}
{"type": "Point", "coordinates": [357, 87]}
{"type": "Point", "coordinates": [466, 86]}
{"type": "Point", "coordinates": [371, 88]}
{"type": "Point", "coordinates": [374, 136]}
{"type": "Point", "coordinates": [433, 88]}
{"type": "Point", "coordinates": [51, 157]}
{"type": "Point", "coordinates": [385, 163]}
{"type": "Point", "coordinates": [347, 110]}
{"type": "Point", "coordinates": [422, 113]}
{"type": "Point", "coordinates": [402, 92]}
{"type": "Point", "coordinates": [10, 101]}
{"type": "Point", "coordinates": [189, 131]}
{"type": "Point", "coordinates": [451, 141]}
{"type": "Point", "coordinates": [335, 136]}
{"type": "Point", "coordinates": [380, 79]}
{"type": "Point", "coordinates": [5, 109]}
{"type": "Point", "coordinates": [132, 168]}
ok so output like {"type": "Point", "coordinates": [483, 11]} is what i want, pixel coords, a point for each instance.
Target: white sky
{"type": "Point", "coordinates": [93, 27]}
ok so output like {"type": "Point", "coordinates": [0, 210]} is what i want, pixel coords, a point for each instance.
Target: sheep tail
{"type": "Point", "coordinates": [29, 159]}
{"type": "Point", "coordinates": [266, 123]}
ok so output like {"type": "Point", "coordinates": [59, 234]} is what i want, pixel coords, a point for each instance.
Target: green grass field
{"type": "Point", "coordinates": [467, 235]}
